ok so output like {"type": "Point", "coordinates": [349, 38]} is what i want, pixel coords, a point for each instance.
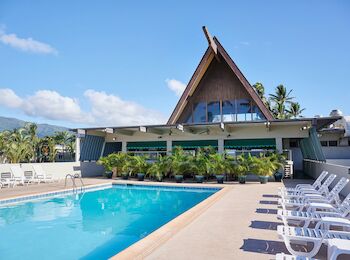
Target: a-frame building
{"type": "Point", "coordinates": [218, 85]}
{"type": "Point", "coordinates": [218, 108]}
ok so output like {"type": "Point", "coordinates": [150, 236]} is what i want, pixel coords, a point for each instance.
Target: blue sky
{"type": "Point", "coordinates": [82, 63]}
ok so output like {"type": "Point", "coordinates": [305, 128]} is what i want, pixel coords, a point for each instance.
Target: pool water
{"type": "Point", "coordinates": [91, 225]}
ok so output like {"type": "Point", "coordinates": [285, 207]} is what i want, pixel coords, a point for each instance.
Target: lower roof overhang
{"type": "Point", "coordinates": [208, 128]}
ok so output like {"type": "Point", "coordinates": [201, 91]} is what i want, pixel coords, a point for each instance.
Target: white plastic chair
{"type": "Point", "coordinates": [7, 179]}
{"type": "Point", "coordinates": [18, 175]}
{"type": "Point", "coordinates": [282, 256]}
{"type": "Point", "coordinates": [337, 247]}
{"type": "Point", "coordinates": [41, 175]}
{"type": "Point", "coordinates": [315, 186]}
{"type": "Point", "coordinates": [296, 235]}
{"type": "Point", "coordinates": [332, 197]}
{"type": "Point", "coordinates": [323, 189]}
{"type": "Point", "coordinates": [314, 214]}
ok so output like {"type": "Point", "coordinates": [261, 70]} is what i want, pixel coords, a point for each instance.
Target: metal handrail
{"type": "Point", "coordinates": [73, 177]}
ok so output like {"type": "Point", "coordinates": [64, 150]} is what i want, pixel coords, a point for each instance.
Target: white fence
{"type": "Point", "coordinates": [61, 169]}
{"type": "Point", "coordinates": [314, 169]}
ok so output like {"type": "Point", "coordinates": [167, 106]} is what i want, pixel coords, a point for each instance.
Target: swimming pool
{"type": "Point", "coordinates": [91, 225]}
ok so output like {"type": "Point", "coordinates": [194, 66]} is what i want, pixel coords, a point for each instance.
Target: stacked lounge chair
{"type": "Point", "coordinates": [315, 215]}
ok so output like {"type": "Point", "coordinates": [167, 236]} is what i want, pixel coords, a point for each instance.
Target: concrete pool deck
{"type": "Point", "coordinates": [238, 222]}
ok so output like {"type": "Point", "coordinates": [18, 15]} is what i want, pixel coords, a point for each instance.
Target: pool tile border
{"type": "Point", "coordinates": [30, 197]}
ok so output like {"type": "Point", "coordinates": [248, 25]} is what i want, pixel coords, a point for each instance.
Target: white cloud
{"type": "Point", "coordinates": [51, 105]}
{"type": "Point", "coordinates": [8, 98]}
{"type": "Point", "coordinates": [176, 86]}
{"type": "Point", "coordinates": [26, 44]}
{"type": "Point", "coordinates": [111, 110]}
{"type": "Point", "coordinates": [105, 109]}
{"type": "Point", "coordinates": [45, 104]}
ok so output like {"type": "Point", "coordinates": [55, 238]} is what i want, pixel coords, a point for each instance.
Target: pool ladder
{"type": "Point", "coordinates": [73, 177]}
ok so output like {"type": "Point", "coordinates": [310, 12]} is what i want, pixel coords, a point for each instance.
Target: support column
{"type": "Point", "coordinates": [77, 148]}
{"type": "Point", "coordinates": [103, 148]}
{"type": "Point", "coordinates": [221, 148]}
{"type": "Point", "coordinates": [279, 144]}
{"type": "Point", "coordinates": [123, 146]}
{"type": "Point", "coordinates": [169, 147]}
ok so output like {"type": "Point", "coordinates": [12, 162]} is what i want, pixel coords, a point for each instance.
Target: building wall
{"type": "Point", "coordinates": [337, 152]}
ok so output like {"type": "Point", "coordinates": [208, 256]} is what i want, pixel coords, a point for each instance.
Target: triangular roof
{"type": "Point", "coordinates": [215, 50]}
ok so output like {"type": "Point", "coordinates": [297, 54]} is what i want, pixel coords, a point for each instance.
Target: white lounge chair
{"type": "Point", "coordinates": [7, 179]}
{"type": "Point", "coordinates": [323, 189]}
{"type": "Point", "coordinates": [29, 177]}
{"type": "Point", "coordinates": [41, 175]}
{"type": "Point", "coordinates": [297, 235]}
{"type": "Point", "coordinates": [312, 215]}
{"type": "Point", "coordinates": [18, 175]}
{"type": "Point", "coordinates": [332, 197]}
{"type": "Point", "coordinates": [315, 186]}
{"type": "Point", "coordinates": [337, 247]}
{"type": "Point", "coordinates": [282, 256]}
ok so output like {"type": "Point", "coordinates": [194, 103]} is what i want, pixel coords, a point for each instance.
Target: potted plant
{"type": "Point", "coordinates": [128, 167]}
{"type": "Point", "coordinates": [218, 166]}
{"type": "Point", "coordinates": [179, 164]}
{"type": "Point", "coordinates": [200, 166]}
{"type": "Point", "coordinates": [117, 162]}
{"type": "Point", "coordinates": [140, 167]}
{"type": "Point", "coordinates": [264, 167]}
{"type": "Point", "coordinates": [279, 160]}
{"type": "Point", "coordinates": [106, 163]}
{"type": "Point", "coordinates": [242, 167]}
{"type": "Point", "coordinates": [159, 168]}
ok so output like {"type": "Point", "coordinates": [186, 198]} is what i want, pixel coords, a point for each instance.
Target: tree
{"type": "Point", "coordinates": [16, 146]}
{"type": "Point", "coordinates": [31, 130]}
{"type": "Point", "coordinates": [280, 99]}
{"type": "Point", "coordinates": [295, 110]}
{"type": "Point", "coordinates": [260, 90]}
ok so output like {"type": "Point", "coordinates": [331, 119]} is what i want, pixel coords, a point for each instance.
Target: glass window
{"type": "Point", "coordinates": [200, 112]}
{"type": "Point", "coordinates": [324, 143]}
{"type": "Point", "coordinates": [214, 114]}
{"type": "Point", "coordinates": [243, 110]}
{"type": "Point", "coordinates": [332, 143]}
{"type": "Point", "coordinates": [256, 113]}
{"type": "Point", "coordinates": [228, 111]}
{"type": "Point", "coordinates": [189, 119]}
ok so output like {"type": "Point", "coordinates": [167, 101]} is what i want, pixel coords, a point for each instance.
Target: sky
{"type": "Point", "coordinates": [110, 63]}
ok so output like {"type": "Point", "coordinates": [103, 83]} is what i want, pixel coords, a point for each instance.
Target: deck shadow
{"type": "Point", "coordinates": [264, 246]}
{"type": "Point", "coordinates": [270, 196]}
{"type": "Point", "coordinates": [268, 225]}
{"type": "Point", "coordinates": [266, 211]}
{"type": "Point", "coordinates": [270, 202]}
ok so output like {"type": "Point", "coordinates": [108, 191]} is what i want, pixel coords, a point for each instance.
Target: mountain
{"type": "Point", "coordinates": [7, 123]}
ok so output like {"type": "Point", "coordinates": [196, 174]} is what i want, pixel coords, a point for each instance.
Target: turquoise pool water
{"type": "Point", "coordinates": [93, 225]}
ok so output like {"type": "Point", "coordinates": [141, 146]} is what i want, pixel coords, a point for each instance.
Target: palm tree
{"type": "Point", "coordinates": [295, 110]}
{"type": "Point", "coordinates": [260, 90]}
{"type": "Point", "coordinates": [66, 140]}
{"type": "Point", "coordinates": [280, 99]}
{"type": "Point", "coordinates": [16, 145]}
{"type": "Point", "coordinates": [31, 130]}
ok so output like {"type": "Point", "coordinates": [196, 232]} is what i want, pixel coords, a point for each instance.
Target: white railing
{"type": "Point", "coordinates": [314, 168]}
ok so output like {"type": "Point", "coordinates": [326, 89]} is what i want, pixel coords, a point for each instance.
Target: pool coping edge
{"type": "Point", "coordinates": [145, 246]}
